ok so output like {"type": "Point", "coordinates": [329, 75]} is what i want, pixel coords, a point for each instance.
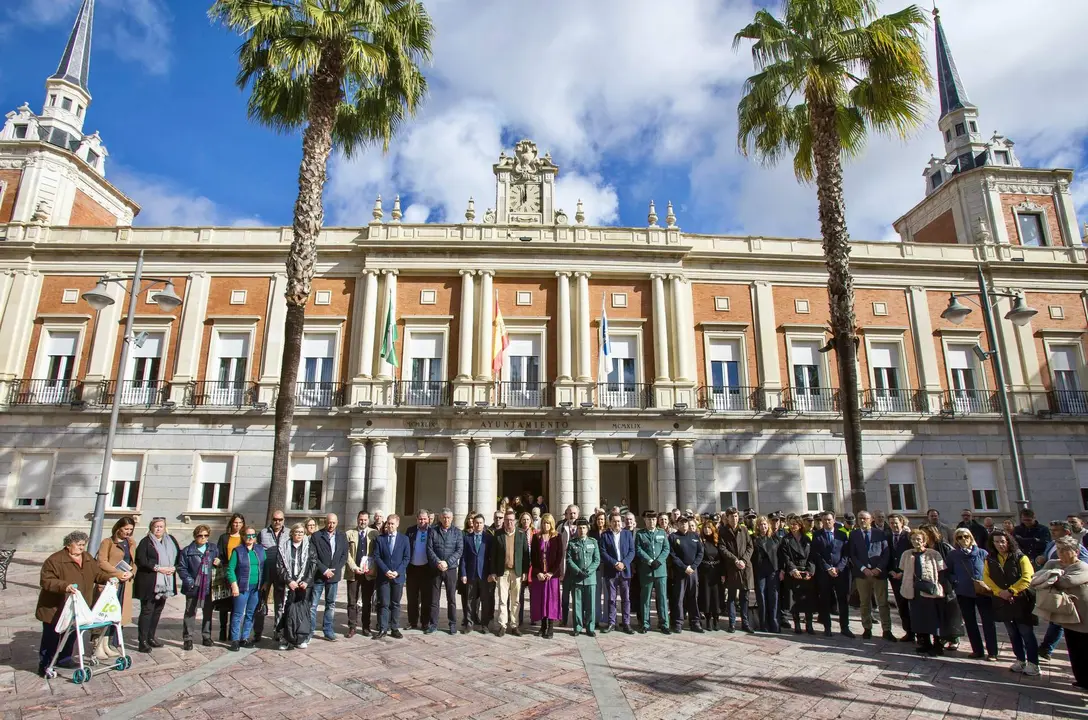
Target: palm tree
{"type": "Point", "coordinates": [828, 72]}
{"type": "Point", "coordinates": [345, 72]}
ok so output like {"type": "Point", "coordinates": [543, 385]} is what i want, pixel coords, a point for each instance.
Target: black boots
{"type": "Point", "coordinates": [797, 630]}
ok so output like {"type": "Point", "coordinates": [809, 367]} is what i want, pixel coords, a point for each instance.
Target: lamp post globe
{"type": "Point", "coordinates": [956, 312]}
{"type": "Point", "coordinates": [167, 299]}
{"type": "Point", "coordinates": [1021, 313]}
{"type": "Point", "coordinates": [98, 298]}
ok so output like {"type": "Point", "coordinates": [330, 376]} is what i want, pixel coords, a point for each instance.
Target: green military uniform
{"type": "Point", "coordinates": [583, 559]}
{"type": "Point", "coordinates": [652, 546]}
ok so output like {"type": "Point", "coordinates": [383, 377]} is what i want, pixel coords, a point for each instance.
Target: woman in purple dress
{"type": "Point", "coordinates": [546, 565]}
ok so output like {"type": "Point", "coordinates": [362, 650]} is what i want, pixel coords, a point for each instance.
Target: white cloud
{"type": "Point", "coordinates": [164, 204]}
{"type": "Point", "coordinates": [651, 87]}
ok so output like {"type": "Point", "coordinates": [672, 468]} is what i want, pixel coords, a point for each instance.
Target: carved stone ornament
{"type": "Point", "coordinates": [982, 232]}
{"type": "Point", "coordinates": [525, 165]}
{"type": "Point", "coordinates": [489, 216]}
{"type": "Point", "coordinates": [560, 217]}
{"type": "Point", "coordinates": [580, 213]}
{"type": "Point", "coordinates": [1029, 206]}
{"type": "Point", "coordinates": [41, 214]}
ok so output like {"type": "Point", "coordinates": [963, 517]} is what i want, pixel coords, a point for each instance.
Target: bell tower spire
{"type": "Point", "coordinates": [67, 94]}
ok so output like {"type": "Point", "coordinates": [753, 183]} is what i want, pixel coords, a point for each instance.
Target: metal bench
{"type": "Point", "coordinates": [6, 554]}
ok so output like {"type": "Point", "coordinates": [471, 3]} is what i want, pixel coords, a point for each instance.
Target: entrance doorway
{"type": "Point", "coordinates": [523, 477]}
{"type": "Point", "coordinates": [424, 486]}
{"type": "Point", "coordinates": [624, 483]}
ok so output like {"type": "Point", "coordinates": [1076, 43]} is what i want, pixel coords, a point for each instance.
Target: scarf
{"type": "Point", "coordinates": [294, 561]}
{"type": "Point", "coordinates": [168, 556]}
{"type": "Point", "coordinates": [204, 576]}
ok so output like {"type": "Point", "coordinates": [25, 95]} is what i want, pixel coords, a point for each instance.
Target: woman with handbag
{"type": "Point", "coordinates": [196, 570]}
{"type": "Point", "coordinates": [922, 568]}
{"type": "Point", "coordinates": [967, 562]}
{"type": "Point", "coordinates": [1062, 598]}
{"type": "Point", "coordinates": [297, 569]}
{"type": "Point", "coordinates": [115, 554]}
{"type": "Point", "coordinates": [1008, 573]}
{"type": "Point", "coordinates": [157, 559]}
{"type": "Point", "coordinates": [797, 572]}
{"type": "Point", "coordinates": [951, 619]}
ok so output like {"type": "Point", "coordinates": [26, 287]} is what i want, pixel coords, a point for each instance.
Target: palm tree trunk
{"type": "Point", "coordinates": [840, 286]}
{"type": "Point", "coordinates": [308, 219]}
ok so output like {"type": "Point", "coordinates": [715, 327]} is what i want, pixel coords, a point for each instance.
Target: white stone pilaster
{"type": "Point", "coordinates": [104, 349]}
{"type": "Point", "coordinates": [368, 327]}
{"type": "Point", "coordinates": [273, 331]}
{"type": "Point", "coordinates": [378, 493]}
{"type": "Point", "coordinates": [661, 328]}
{"type": "Point", "coordinates": [564, 348]}
{"type": "Point", "coordinates": [589, 489]}
{"type": "Point", "coordinates": [929, 378]}
{"type": "Point", "coordinates": [191, 334]}
{"type": "Point", "coordinates": [1067, 214]}
{"type": "Point", "coordinates": [17, 322]}
{"type": "Point", "coordinates": [666, 475]}
{"type": "Point", "coordinates": [685, 345]}
{"type": "Point", "coordinates": [465, 322]}
{"type": "Point", "coordinates": [687, 475]}
{"type": "Point", "coordinates": [487, 320]}
{"type": "Point", "coordinates": [460, 501]}
{"type": "Point", "coordinates": [487, 495]}
{"type": "Point", "coordinates": [583, 327]}
{"type": "Point", "coordinates": [356, 495]}
{"type": "Point", "coordinates": [389, 294]}
{"type": "Point", "coordinates": [565, 462]}
{"type": "Point", "coordinates": [770, 372]}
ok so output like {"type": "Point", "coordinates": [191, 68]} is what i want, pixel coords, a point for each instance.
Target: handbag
{"type": "Point", "coordinates": [220, 586]}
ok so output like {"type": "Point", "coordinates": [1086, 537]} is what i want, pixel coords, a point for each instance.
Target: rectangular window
{"type": "Point", "coordinates": [35, 475]}
{"type": "Point", "coordinates": [819, 486]}
{"type": "Point", "coordinates": [966, 397]}
{"type": "Point", "coordinates": [425, 361]}
{"type": "Point", "coordinates": [144, 380]}
{"type": "Point", "coordinates": [948, 136]}
{"type": "Point", "coordinates": [973, 125]}
{"type": "Point", "coordinates": [214, 476]}
{"type": "Point", "coordinates": [725, 389]}
{"type": "Point", "coordinates": [1001, 157]}
{"type": "Point", "coordinates": [982, 479]}
{"type": "Point", "coordinates": [522, 387]}
{"type": "Point", "coordinates": [965, 162]}
{"type": "Point", "coordinates": [1081, 467]}
{"type": "Point", "coordinates": [66, 104]}
{"type": "Point", "coordinates": [731, 483]}
{"type": "Point", "coordinates": [92, 158]}
{"type": "Point", "coordinates": [1031, 229]}
{"type": "Point", "coordinates": [960, 129]}
{"type": "Point", "coordinates": [316, 387]}
{"type": "Point", "coordinates": [620, 388]}
{"type": "Point", "coordinates": [888, 393]}
{"type": "Point", "coordinates": [902, 485]}
{"type": "Point", "coordinates": [125, 482]}
{"type": "Point", "coordinates": [60, 353]}
{"type": "Point", "coordinates": [808, 394]}
{"type": "Point", "coordinates": [935, 180]}
{"type": "Point", "coordinates": [307, 486]}
{"type": "Point", "coordinates": [52, 100]}
{"type": "Point", "coordinates": [20, 132]}
{"type": "Point", "coordinates": [1064, 365]}
{"type": "Point", "coordinates": [232, 351]}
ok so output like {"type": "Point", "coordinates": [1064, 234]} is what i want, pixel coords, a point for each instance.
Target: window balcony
{"type": "Point", "coordinates": [319, 394]}
{"type": "Point", "coordinates": [422, 393]}
{"type": "Point", "coordinates": [634, 396]}
{"type": "Point", "coordinates": [725, 398]}
{"type": "Point", "coordinates": [811, 400]}
{"type": "Point", "coordinates": [224, 394]}
{"type": "Point", "coordinates": [971, 402]}
{"type": "Point", "coordinates": [134, 393]}
{"type": "Point", "coordinates": [901, 401]}
{"type": "Point", "coordinates": [1068, 402]}
{"type": "Point", "coordinates": [521, 394]}
{"type": "Point", "coordinates": [45, 391]}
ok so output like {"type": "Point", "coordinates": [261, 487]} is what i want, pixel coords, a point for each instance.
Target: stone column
{"type": "Point", "coordinates": [17, 322]}
{"type": "Point", "coordinates": [486, 499]}
{"type": "Point", "coordinates": [564, 354]}
{"type": "Point", "coordinates": [682, 329]}
{"type": "Point", "coordinates": [687, 475]}
{"type": "Point", "coordinates": [589, 490]}
{"type": "Point", "coordinates": [104, 349]}
{"type": "Point", "coordinates": [191, 332]}
{"type": "Point", "coordinates": [460, 504]}
{"type": "Point", "coordinates": [1067, 215]}
{"type": "Point", "coordinates": [565, 462]}
{"type": "Point", "coordinates": [272, 354]}
{"type": "Point", "coordinates": [769, 372]}
{"type": "Point", "coordinates": [468, 290]}
{"type": "Point", "coordinates": [385, 370]}
{"type": "Point", "coordinates": [487, 319]}
{"type": "Point", "coordinates": [583, 327]}
{"type": "Point", "coordinates": [666, 475]}
{"type": "Point", "coordinates": [929, 377]}
{"type": "Point", "coordinates": [661, 328]}
{"type": "Point", "coordinates": [378, 493]}
{"type": "Point", "coordinates": [356, 497]}
{"type": "Point", "coordinates": [369, 324]}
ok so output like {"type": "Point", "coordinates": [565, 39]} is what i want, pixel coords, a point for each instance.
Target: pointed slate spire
{"type": "Point", "coordinates": [75, 64]}
{"type": "Point", "coordinates": [953, 96]}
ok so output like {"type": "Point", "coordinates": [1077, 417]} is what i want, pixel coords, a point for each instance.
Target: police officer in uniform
{"type": "Point", "coordinates": [686, 554]}
{"type": "Point", "coordinates": [583, 559]}
{"type": "Point", "coordinates": [651, 560]}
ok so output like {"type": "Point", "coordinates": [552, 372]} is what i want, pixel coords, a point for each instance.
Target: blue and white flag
{"type": "Point", "coordinates": [604, 362]}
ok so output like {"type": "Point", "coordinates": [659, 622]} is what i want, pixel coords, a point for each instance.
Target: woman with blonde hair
{"type": "Point", "coordinates": [765, 546]}
{"type": "Point", "coordinates": [922, 568]}
{"type": "Point", "coordinates": [966, 563]}
{"type": "Point", "coordinates": [546, 566]}
{"type": "Point", "coordinates": [525, 524]}
{"type": "Point", "coordinates": [311, 526]}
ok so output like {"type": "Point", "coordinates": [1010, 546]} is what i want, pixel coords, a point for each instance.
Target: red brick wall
{"type": "Point", "coordinates": [49, 303]}
{"type": "Point", "coordinates": [257, 292]}
{"type": "Point", "coordinates": [1008, 205]}
{"type": "Point", "coordinates": [941, 230]}
{"type": "Point", "coordinates": [639, 305]}
{"type": "Point", "coordinates": [7, 203]}
{"type": "Point", "coordinates": [897, 317]}
{"type": "Point", "coordinates": [740, 311]}
{"type": "Point", "coordinates": [340, 306]}
{"type": "Point", "coordinates": [1072, 308]}
{"type": "Point", "coordinates": [938, 301]}
{"type": "Point", "coordinates": [447, 302]}
{"type": "Point", "coordinates": [785, 313]}
{"type": "Point", "coordinates": [544, 304]}
{"type": "Point", "coordinates": [87, 213]}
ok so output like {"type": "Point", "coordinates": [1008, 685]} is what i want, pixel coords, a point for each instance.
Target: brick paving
{"type": "Point", "coordinates": [713, 675]}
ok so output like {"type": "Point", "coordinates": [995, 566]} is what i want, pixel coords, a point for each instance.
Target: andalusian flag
{"type": "Point", "coordinates": [604, 361]}
{"type": "Point", "coordinates": [389, 334]}
{"type": "Point", "coordinates": [500, 339]}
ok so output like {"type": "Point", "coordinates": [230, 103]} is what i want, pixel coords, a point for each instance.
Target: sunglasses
{"type": "Point", "coordinates": [200, 535]}
{"type": "Point", "coordinates": [277, 519]}
{"type": "Point", "coordinates": [251, 535]}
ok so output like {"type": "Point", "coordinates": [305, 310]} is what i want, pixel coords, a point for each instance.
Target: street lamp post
{"type": "Point", "coordinates": [99, 299]}
{"type": "Point", "coordinates": [1020, 314]}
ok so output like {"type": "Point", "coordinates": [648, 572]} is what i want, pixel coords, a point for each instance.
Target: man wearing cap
{"type": "Point", "coordinates": [651, 560]}
{"type": "Point", "coordinates": [583, 559]}
{"type": "Point", "coordinates": [685, 555]}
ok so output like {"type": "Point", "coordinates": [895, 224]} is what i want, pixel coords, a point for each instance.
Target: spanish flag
{"type": "Point", "coordinates": [500, 339]}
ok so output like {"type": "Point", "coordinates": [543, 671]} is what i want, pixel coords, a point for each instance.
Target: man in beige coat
{"type": "Point", "coordinates": [361, 572]}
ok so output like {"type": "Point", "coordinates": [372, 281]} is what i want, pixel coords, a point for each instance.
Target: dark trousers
{"type": "Point", "coordinates": [481, 601]}
{"type": "Point", "coordinates": [566, 583]}
{"type": "Point", "coordinates": [224, 622]}
{"type": "Point", "coordinates": [783, 604]}
{"type": "Point", "coordinates": [389, 595]}
{"type": "Point", "coordinates": [636, 592]}
{"type": "Point", "coordinates": [462, 592]}
{"type": "Point", "coordinates": [449, 578]}
{"type": "Point", "coordinates": [360, 590]}
{"type": "Point", "coordinates": [50, 641]}
{"type": "Point", "coordinates": [902, 605]}
{"type": "Point", "coordinates": [834, 595]}
{"type": "Point", "coordinates": [710, 594]}
{"type": "Point", "coordinates": [279, 590]}
{"type": "Point", "coordinates": [1077, 645]}
{"type": "Point", "coordinates": [984, 605]}
{"type": "Point", "coordinates": [767, 597]}
{"type": "Point", "coordinates": [419, 593]}
{"type": "Point", "coordinates": [674, 595]}
{"type": "Point", "coordinates": [736, 599]}
{"type": "Point", "coordinates": [687, 599]}
{"type": "Point", "coordinates": [150, 611]}
{"type": "Point", "coordinates": [618, 588]}
{"type": "Point", "coordinates": [188, 622]}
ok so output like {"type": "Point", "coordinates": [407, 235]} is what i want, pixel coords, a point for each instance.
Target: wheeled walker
{"type": "Point", "coordinates": [79, 619]}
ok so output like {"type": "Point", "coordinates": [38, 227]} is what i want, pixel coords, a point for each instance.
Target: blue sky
{"type": "Point", "coordinates": [634, 99]}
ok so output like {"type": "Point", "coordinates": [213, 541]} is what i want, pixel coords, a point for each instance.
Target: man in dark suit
{"type": "Point", "coordinates": [475, 569]}
{"type": "Point", "coordinates": [444, 548]}
{"type": "Point", "coordinates": [509, 569]}
{"type": "Point", "coordinates": [829, 552]}
{"type": "Point", "coordinates": [617, 546]}
{"type": "Point", "coordinates": [685, 556]}
{"type": "Point", "coordinates": [330, 553]}
{"type": "Point", "coordinates": [391, 556]}
{"type": "Point", "coordinates": [420, 572]}
{"type": "Point", "coordinates": [870, 556]}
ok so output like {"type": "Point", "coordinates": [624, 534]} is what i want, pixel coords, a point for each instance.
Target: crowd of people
{"type": "Point", "coordinates": [600, 573]}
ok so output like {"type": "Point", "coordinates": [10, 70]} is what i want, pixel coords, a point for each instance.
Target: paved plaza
{"type": "Point", "coordinates": [714, 675]}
